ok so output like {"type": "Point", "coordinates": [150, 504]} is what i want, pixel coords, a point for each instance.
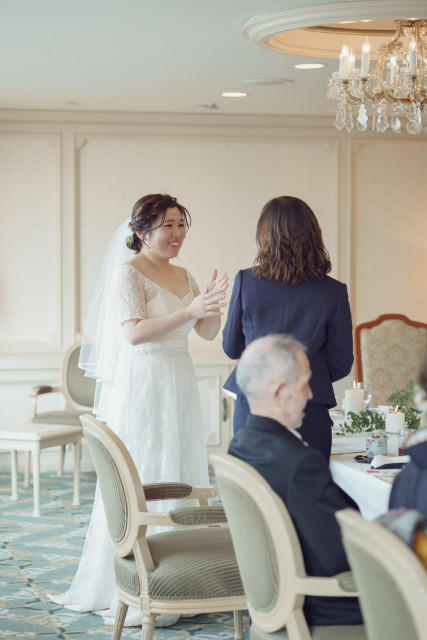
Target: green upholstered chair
{"type": "Point", "coordinates": [270, 559]}
{"type": "Point", "coordinates": [78, 391]}
{"type": "Point", "coordinates": [392, 581]}
{"type": "Point", "coordinates": [190, 569]}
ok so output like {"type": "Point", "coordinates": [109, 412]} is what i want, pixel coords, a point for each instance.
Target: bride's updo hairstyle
{"type": "Point", "coordinates": [145, 217]}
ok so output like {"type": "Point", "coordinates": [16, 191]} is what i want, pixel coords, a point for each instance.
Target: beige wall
{"type": "Point", "coordinates": [67, 180]}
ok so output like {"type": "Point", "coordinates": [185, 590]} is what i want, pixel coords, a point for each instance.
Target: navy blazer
{"type": "Point", "coordinates": [409, 488]}
{"type": "Point", "coordinates": [317, 313]}
{"type": "Point", "coordinates": [300, 476]}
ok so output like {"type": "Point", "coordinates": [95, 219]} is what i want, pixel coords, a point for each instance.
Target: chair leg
{"type": "Point", "coordinates": [238, 625]}
{"type": "Point", "coordinates": [148, 624]}
{"type": "Point", "coordinates": [297, 627]}
{"type": "Point", "coordinates": [61, 461]}
{"type": "Point", "coordinates": [119, 620]}
{"type": "Point", "coordinates": [27, 469]}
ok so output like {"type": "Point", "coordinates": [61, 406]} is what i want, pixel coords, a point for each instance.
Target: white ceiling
{"type": "Point", "coordinates": [149, 56]}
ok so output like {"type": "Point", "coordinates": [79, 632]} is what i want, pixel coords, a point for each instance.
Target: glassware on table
{"type": "Point", "coordinates": [401, 439]}
{"type": "Point", "coordinates": [367, 393]}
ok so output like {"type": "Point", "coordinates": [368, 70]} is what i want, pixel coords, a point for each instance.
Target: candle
{"type": "Point", "coordinates": [413, 58]}
{"type": "Point", "coordinates": [366, 57]}
{"type": "Point", "coordinates": [351, 61]}
{"type": "Point", "coordinates": [354, 400]}
{"type": "Point", "coordinates": [344, 67]}
{"type": "Point", "coordinates": [394, 421]}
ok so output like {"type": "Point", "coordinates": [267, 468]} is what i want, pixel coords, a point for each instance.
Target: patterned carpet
{"type": "Point", "coordinates": [40, 556]}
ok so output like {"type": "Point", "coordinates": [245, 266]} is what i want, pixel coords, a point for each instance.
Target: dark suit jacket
{"type": "Point", "coordinates": [409, 489]}
{"type": "Point", "coordinates": [316, 313]}
{"type": "Point", "coordinates": [301, 477]}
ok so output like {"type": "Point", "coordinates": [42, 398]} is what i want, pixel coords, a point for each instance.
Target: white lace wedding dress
{"type": "Point", "coordinates": [155, 409]}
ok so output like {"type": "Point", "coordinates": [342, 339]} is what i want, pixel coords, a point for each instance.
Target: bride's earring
{"type": "Point", "coordinates": [143, 237]}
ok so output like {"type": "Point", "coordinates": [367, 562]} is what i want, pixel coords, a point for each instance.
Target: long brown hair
{"type": "Point", "coordinates": [290, 243]}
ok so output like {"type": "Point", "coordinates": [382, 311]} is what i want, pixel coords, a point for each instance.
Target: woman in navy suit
{"type": "Point", "coordinates": [288, 291]}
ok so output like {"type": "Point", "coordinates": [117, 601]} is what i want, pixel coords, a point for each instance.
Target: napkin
{"type": "Point", "coordinates": [387, 462]}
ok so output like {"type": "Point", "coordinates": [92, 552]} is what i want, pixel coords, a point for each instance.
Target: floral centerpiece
{"type": "Point", "coordinates": [367, 421]}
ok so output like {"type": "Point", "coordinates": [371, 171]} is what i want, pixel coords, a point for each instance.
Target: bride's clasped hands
{"type": "Point", "coordinates": [212, 300]}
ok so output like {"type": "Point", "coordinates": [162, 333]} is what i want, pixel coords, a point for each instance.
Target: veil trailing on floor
{"type": "Point", "coordinates": [99, 350]}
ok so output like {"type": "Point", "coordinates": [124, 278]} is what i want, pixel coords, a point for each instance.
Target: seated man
{"type": "Point", "coordinates": [274, 374]}
{"type": "Point", "coordinates": [409, 489]}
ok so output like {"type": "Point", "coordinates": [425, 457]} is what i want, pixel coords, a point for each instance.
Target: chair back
{"type": "Point", "coordinates": [388, 353]}
{"type": "Point", "coordinates": [78, 389]}
{"type": "Point", "coordinates": [122, 493]}
{"type": "Point", "coordinates": [265, 541]}
{"type": "Point", "coordinates": [391, 580]}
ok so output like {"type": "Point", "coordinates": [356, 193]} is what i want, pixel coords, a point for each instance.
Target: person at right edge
{"type": "Point", "coordinates": [288, 291]}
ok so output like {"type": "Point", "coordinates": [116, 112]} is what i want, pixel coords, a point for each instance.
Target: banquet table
{"type": "Point", "coordinates": [369, 488]}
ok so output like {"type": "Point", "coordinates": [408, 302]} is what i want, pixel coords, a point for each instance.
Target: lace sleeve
{"type": "Point", "coordinates": [127, 294]}
{"type": "Point", "coordinates": [193, 284]}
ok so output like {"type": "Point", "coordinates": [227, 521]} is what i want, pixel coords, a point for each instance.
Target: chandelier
{"type": "Point", "coordinates": [392, 93]}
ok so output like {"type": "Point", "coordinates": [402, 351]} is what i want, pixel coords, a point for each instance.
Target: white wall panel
{"type": "Point", "coordinates": [224, 184]}
{"type": "Point", "coordinates": [389, 221]}
{"type": "Point", "coordinates": [30, 246]}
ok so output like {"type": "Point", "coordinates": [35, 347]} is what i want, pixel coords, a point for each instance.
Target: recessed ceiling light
{"type": "Point", "coordinates": [309, 66]}
{"type": "Point", "coordinates": [234, 94]}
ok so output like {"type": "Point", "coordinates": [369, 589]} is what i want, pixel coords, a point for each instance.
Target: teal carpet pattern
{"type": "Point", "coordinates": [40, 556]}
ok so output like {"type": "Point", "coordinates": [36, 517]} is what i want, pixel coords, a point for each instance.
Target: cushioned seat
{"type": "Point", "coordinates": [190, 569]}
{"type": "Point", "coordinates": [270, 559]}
{"type": "Point", "coordinates": [391, 580]}
{"type": "Point", "coordinates": [388, 352]}
{"type": "Point", "coordinates": [69, 417]}
{"type": "Point", "coordinates": [341, 632]}
{"type": "Point", "coordinates": [78, 391]}
{"type": "Point", "coordinates": [180, 558]}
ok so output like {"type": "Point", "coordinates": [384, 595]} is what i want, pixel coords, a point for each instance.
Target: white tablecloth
{"type": "Point", "coordinates": [369, 489]}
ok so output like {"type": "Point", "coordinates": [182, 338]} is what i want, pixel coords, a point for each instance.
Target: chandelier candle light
{"type": "Point", "coordinates": [396, 88]}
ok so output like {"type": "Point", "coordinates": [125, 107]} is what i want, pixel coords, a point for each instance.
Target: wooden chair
{"type": "Point", "coordinates": [388, 353]}
{"type": "Point", "coordinates": [78, 391]}
{"type": "Point", "coordinates": [270, 559]}
{"type": "Point", "coordinates": [188, 570]}
{"type": "Point", "coordinates": [391, 580]}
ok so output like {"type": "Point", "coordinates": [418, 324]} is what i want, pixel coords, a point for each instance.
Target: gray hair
{"type": "Point", "coordinates": [267, 360]}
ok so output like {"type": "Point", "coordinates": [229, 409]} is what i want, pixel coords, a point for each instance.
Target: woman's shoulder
{"type": "Point", "coordinates": [326, 283]}
{"type": "Point", "coordinates": [128, 273]}
{"type": "Point", "coordinates": [180, 270]}
{"type": "Point", "coordinates": [126, 269]}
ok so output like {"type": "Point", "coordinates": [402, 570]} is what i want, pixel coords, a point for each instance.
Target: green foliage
{"type": "Point", "coordinates": [405, 399]}
{"type": "Point", "coordinates": [365, 421]}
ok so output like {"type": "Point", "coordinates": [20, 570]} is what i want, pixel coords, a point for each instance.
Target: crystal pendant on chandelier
{"type": "Point", "coordinates": [362, 118]}
{"type": "Point", "coordinates": [395, 124]}
{"type": "Point", "coordinates": [396, 89]}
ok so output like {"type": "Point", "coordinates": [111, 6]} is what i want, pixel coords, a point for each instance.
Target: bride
{"type": "Point", "coordinates": [135, 345]}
